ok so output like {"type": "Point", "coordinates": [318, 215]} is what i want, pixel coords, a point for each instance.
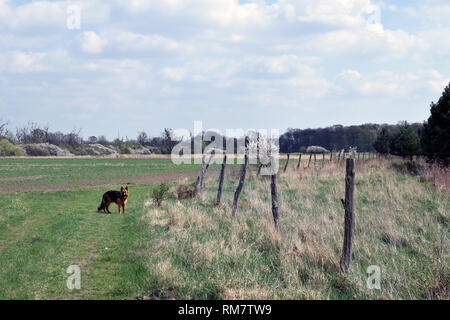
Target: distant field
{"type": "Point", "coordinates": [192, 249]}
{"type": "Point", "coordinates": [63, 173]}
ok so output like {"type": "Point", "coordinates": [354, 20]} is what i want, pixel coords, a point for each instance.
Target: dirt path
{"type": "Point", "coordinates": [23, 178]}
{"type": "Point", "coordinates": [155, 177]}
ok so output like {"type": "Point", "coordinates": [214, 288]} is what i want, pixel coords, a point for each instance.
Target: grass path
{"type": "Point", "coordinates": [43, 233]}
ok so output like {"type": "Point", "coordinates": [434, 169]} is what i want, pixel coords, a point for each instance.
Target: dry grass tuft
{"type": "Point", "coordinates": [401, 226]}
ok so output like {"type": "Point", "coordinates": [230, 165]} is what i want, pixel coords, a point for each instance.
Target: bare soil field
{"type": "Point", "coordinates": [150, 178]}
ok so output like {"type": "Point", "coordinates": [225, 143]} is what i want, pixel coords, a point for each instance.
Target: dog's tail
{"type": "Point", "coordinates": [102, 205]}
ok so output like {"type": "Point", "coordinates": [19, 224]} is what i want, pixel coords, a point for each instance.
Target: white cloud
{"type": "Point", "coordinates": [220, 54]}
{"type": "Point", "coordinates": [36, 15]}
{"type": "Point", "coordinates": [390, 84]}
{"type": "Point", "coordinates": [24, 62]}
{"type": "Point", "coordinates": [174, 74]}
{"type": "Point", "coordinates": [127, 41]}
{"type": "Point", "coordinates": [91, 43]}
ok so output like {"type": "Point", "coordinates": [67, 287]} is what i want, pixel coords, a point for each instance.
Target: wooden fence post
{"type": "Point", "coordinates": [299, 161]}
{"type": "Point", "coordinates": [323, 159]}
{"type": "Point", "coordinates": [315, 159]}
{"type": "Point", "coordinates": [364, 156]}
{"type": "Point", "coordinates": [331, 157]}
{"type": "Point", "coordinates": [241, 179]}
{"type": "Point", "coordinates": [310, 157]}
{"type": "Point", "coordinates": [198, 183]}
{"type": "Point", "coordinates": [349, 215]}
{"type": "Point", "coordinates": [274, 192]}
{"type": "Point", "coordinates": [286, 164]}
{"type": "Point", "coordinates": [221, 177]}
{"type": "Point", "coordinates": [213, 152]}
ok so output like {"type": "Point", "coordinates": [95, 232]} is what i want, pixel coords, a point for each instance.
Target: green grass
{"type": "Point", "coordinates": [43, 233]}
{"type": "Point", "coordinates": [197, 251]}
{"type": "Point", "coordinates": [73, 170]}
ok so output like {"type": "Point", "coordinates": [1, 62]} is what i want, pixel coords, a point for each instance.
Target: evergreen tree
{"type": "Point", "coordinates": [405, 143]}
{"type": "Point", "coordinates": [436, 131]}
{"type": "Point", "coordinates": [382, 144]}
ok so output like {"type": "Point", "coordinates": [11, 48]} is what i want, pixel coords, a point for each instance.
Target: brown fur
{"type": "Point", "coordinates": [119, 198]}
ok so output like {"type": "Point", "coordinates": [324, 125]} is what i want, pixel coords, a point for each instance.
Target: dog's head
{"type": "Point", "coordinates": [124, 193]}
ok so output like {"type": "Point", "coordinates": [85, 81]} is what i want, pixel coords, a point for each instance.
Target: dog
{"type": "Point", "coordinates": [118, 197]}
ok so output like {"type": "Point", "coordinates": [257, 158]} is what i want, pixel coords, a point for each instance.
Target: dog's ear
{"type": "Point", "coordinates": [121, 188]}
{"type": "Point", "coordinates": [126, 188]}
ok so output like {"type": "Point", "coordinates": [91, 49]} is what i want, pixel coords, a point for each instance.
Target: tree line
{"type": "Point", "coordinates": [431, 139]}
{"type": "Point", "coordinates": [337, 137]}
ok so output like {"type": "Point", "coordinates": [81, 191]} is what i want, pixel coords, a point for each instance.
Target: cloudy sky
{"type": "Point", "coordinates": [150, 64]}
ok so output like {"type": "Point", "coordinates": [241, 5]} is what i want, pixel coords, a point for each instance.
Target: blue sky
{"type": "Point", "coordinates": [150, 64]}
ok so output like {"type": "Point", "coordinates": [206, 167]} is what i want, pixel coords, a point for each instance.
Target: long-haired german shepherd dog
{"type": "Point", "coordinates": [118, 197]}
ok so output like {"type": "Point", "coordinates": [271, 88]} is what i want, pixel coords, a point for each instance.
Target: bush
{"type": "Point", "coordinates": [8, 149]}
{"type": "Point", "coordinates": [36, 151]}
{"type": "Point", "coordinates": [160, 193]}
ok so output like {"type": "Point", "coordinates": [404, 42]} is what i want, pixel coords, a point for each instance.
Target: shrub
{"type": "Point", "coordinates": [8, 149]}
{"type": "Point", "coordinates": [36, 151]}
{"type": "Point", "coordinates": [160, 193]}
{"type": "Point", "coordinates": [413, 168]}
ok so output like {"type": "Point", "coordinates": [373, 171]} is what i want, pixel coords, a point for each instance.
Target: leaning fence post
{"type": "Point", "coordinates": [310, 157]}
{"type": "Point", "coordinates": [241, 179]}
{"type": "Point", "coordinates": [349, 215]}
{"type": "Point", "coordinates": [274, 193]}
{"type": "Point", "coordinates": [299, 161]}
{"type": "Point", "coordinates": [221, 177]}
{"type": "Point", "coordinates": [198, 183]}
{"type": "Point", "coordinates": [286, 164]}
{"type": "Point", "coordinates": [202, 186]}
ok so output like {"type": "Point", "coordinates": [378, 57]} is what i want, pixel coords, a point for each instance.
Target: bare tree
{"type": "Point", "coordinates": [142, 138]}
{"type": "Point", "coordinates": [3, 128]}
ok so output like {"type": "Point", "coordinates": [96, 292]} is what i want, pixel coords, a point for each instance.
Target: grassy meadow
{"type": "Point", "coordinates": [192, 249]}
{"type": "Point", "coordinates": [82, 171]}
